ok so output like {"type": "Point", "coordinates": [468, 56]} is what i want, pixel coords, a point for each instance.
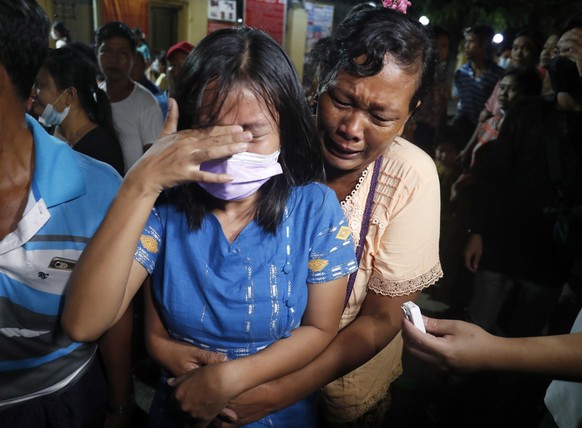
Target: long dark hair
{"type": "Point", "coordinates": [372, 32]}
{"type": "Point", "coordinates": [228, 59]}
{"type": "Point", "coordinates": [71, 68]}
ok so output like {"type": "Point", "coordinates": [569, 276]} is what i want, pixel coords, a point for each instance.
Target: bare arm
{"type": "Point", "coordinates": [115, 350]}
{"type": "Point", "coordinates": [106, 277]}
{"type": "Point", "coordinates": [462, 346]}
{"type": "Point", "coordinates": [176, 357]}
{"type": "Point", "coordinates": [377, 324]}
{"type": "Point", "coordinates": [225, 381]}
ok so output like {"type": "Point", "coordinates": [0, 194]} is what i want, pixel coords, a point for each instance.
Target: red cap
{"type": "Point", "coordinates": [180, 46]}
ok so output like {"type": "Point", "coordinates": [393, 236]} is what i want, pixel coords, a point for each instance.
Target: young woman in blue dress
{"type": "Point", "coordinates": [247, 254]}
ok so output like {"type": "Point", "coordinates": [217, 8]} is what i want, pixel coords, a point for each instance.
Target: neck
{"type": "Point", "coordinates": [478, 65]}
{"type": "Point", "coordinates": [235, 215]}
{"type": "Point", "coordinates": [342, 182]}
{"type": "Point", "coordinates": [119, 90]}
{"type": "Point", "coordinates": [16, 147]}
{"type": "Point", "coordinates": [16, 165]}
{"type": "Point", "coordinates": [75, 126]}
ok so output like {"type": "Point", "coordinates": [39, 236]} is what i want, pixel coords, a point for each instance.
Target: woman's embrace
{"type": "Point", "coordinates": [246, 253]}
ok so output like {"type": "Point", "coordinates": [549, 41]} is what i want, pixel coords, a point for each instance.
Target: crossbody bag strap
{"type": "Point", "coordinates": [364, 228]}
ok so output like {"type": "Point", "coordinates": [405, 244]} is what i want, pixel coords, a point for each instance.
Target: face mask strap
{"type": "Point", "coordinates": [59, 97]}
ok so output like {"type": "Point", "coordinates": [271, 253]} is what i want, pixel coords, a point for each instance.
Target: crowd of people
{"type": "Point", "coordinates": [190, 197]}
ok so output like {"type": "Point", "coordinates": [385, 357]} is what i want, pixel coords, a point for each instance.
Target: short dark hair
{"type": "Point", "coordinates": [483, 32]}
{"type": "Point", "coordinates": [528, 81]}
{"type": "Point", "coordinates": [24, 30]}
{"type": "Point", "coordinates": [115, 29]}
{"type": "Point", "coordinates": [227, 59]}
{"type": "Point", "coordinates": [63, 31]}
{"type": "Point", "coordinates": [374, 32]}
{"type": "Point", "coordinates": [535, 36]}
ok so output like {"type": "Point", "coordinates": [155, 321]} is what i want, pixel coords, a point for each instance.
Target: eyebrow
{"type": "Point", "coordinates": [374, 106]}
{"type": "Point", "coordinates": [255, 126]}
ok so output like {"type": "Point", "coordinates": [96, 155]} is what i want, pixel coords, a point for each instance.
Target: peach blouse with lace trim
{"type": "Point", "coordinates": [400, 257]}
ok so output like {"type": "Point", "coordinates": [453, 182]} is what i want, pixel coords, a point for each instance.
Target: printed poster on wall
{"type": "Point", "coordinates": [222, 10]}
{"type": "Point", "coordinates": [319, 22]}
{"type": "Point", "coordinates": [268, 15]}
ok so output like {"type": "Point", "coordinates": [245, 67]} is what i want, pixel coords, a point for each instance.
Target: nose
{"type": "Point", "coordinates": [351, 125]}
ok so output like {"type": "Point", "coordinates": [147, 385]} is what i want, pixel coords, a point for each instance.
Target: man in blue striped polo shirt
{"type": "Point", "coordinates": [474, 80]}
{"type": "Point", "coordinates": [52, 199]}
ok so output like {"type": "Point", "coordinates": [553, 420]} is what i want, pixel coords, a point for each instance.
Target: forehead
{"type": "Point", "coordinates": [241, 103]}
{"type": "Point", "coordinates": [392, 88]}
{"type": "Point", "coordinates": [508, 80]}
{"type": "Point", "coordinates": [573, 35]}
{"type": "Point", "coordinates": [178, 56]}
{"type": "Point", "coordinates": [523, 41]}
{"type": "Point", "coordinates": [442, 39]}
{"type": "Point", "coordinates": [552, 40]}
{"type": "Point", "coordinates": [44, 76]}
{"type": "Point", "coordinates": [116, 42]}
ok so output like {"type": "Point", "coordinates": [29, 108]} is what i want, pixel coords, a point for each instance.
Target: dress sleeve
{"type": "Point", "coordinates": [332, 253]}
{"type": "Point", "coordinates": [150, 242]}
{"type": "Point", "coordinates": [406, 243]}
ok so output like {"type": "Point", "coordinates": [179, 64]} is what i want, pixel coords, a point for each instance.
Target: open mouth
{"type": "Point", "coordinates": [340, 151]}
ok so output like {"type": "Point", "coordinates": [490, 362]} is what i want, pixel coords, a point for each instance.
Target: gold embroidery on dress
{"type": "Point", "coordinates": [149, 243]}
{"type": "Point", "coordinates": [316, 265]}
{"type": "Point", "coordinates": [344, 233]}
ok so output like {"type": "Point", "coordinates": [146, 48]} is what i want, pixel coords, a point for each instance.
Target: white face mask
{"type": "Point", "coordinates": [51, 117]}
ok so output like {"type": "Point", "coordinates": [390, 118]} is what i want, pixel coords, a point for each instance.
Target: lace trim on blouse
{"type": "Point", "coordinates": [401, 288]}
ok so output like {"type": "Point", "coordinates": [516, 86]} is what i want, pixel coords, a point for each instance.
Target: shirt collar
{"type": "Point", "coordinates": [56, 172]}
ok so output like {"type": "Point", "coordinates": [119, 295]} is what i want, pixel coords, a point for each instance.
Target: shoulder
{"type": "Point", "coordinates": [408, 162]}
{"type": "Point", "coordinates": [312, 199]}
{"type": "Point", "coordinates": [463, 69]}
{"type": "Point", "coordinates": [98, 175]}
{"type": "Point", "coordinates": [64, 175]}
{"type": "Point", "coordinates": [97, 135]}
{"type": "Point", "coordinates": [314, 193]}
{"type": "Point", "coordinates": [141, 94]}
{"type": "Point", "coordinates": [495, 69]}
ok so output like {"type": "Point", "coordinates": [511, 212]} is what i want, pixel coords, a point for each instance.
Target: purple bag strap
{"type": "Point", "coordinates": [364, 228]}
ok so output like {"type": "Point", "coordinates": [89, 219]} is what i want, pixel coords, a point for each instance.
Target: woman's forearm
{"type": "Point", "coordinates": [282, 358]}
{"type": "Point", "coordinates": [98, 292]}
{"type": "Point", "coordinates": [115, 350]}
{"type": "Point", "coordinates": [376, 326]}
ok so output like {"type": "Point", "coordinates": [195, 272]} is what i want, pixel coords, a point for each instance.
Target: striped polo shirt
{"type": "Point", "coordinates": [69, 196]}
{"type": "Point", "coordinates": [472, 92]}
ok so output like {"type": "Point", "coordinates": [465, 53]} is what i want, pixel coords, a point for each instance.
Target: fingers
{"type": "Point", "coordinates": [475, 261]}
{"type": "Point", "coordinates": [228, 415]}
{"type": "Point", "coordinates": [171, 122]}
{"type": "Point", "coordinates": [205, 358]}
{"type": "Point", "coordinates": [469, 263]}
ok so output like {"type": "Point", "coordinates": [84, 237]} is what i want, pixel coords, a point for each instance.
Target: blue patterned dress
{"type": "Point", "coordinates": [238, 298]}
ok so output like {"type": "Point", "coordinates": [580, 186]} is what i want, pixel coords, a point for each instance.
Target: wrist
{"type": "Point", "coordinates": [138, 186]}
{"type": "Point", "coordinates": [121, 409]}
